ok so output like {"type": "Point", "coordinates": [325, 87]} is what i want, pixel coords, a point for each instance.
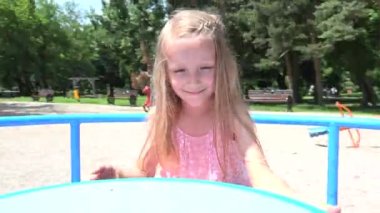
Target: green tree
{"type": "Point", "coordinates": [349, 31]}
{"type": "Point", "coordinates": [16, 43]}
{"type": "Point", "coordinates": [278, 29]}
{"type": "Point", "coordinates": [40, 45]}
{"type": "Point", "coordinates": [77, 59]}
{"type": "Point", "coordinates": [149, 18]}
{"type": "Point", "coordinates": [127, 31]}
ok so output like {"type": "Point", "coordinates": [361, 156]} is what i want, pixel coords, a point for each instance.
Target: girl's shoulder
{"type": "Point", "coordinates": [245, 133]}
{"type": "Point", "coordinates": [243, 126]}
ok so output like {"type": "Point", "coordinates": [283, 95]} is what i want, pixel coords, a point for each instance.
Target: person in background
{"type": "Point", "coordinates": [146, 90]}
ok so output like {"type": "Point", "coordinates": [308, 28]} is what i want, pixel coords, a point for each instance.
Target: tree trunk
{"type": "Point", "coordinates": [194, 3]}
{"type": "Point", "coordinates": [292, 73]}
{"type": "Point", "coordinates": [146, 56]}
{"type": "Point", "coordinates": [369, 95]}
{"type": "Point", "coordinates": [296, 78]}
{"type": "Point", "coordinates": [111, 94]}
{"type": "Point", "coordinates": [42, 66]}
{"type": "Point", "coordinates": [24, 84]}
{"type": "Point", "coordinates": [318, 95]}
{"type": "Point", "coordinates": [222, 8]}
{"type": "Point", "coordinates": [289, 73]}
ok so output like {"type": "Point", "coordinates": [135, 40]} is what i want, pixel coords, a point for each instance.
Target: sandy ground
{"type": "Point", "coordinates": [33, 156]}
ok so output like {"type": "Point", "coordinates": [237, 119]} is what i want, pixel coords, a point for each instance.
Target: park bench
{"type": "Point", "coordinates": [9, 93]}
{"type": "Point", "coordinates": [121, 93]}
{"type": "Point", "coordinates": [47, 93]}
{"type": "Point", "coordinates": [271, 96]}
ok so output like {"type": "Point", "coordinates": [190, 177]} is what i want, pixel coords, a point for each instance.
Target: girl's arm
{"type": "Point", "coordinates": [149, 164]}
{"type": "Point", "coordinates": [261, 175]}
{"type": "Point", "coordinates": [131, 173]}
{"type": "Point", "coordinates": [111, 172]}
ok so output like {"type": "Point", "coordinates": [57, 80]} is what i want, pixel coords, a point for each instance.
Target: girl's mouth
{"type": "Point", "coordinates": [195, 92]}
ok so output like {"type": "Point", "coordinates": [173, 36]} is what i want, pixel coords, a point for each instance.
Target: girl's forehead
{"type": "Point", "coordinates": [187, 44]}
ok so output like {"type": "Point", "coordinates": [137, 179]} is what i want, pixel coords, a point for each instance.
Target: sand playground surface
{"type": "Point", "coordinates": [34, 156]}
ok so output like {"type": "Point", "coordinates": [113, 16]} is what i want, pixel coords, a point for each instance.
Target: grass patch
{"type": "Point", "coordinates": [305, 107]}
{"type": "Point", "coordinates": [327, 108]}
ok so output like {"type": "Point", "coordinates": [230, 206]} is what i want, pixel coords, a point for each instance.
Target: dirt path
{"type": "Point", "coordinates": [36, 108]}
{"type": "Point", "coordinates": [33, 156]}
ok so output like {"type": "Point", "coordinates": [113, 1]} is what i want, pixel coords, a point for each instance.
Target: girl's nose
{"type": "Point", "coordinates": [195, 77]}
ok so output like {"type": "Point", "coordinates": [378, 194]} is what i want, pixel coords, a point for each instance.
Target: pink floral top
{"type": "Point", "coordinates": [198, 160]}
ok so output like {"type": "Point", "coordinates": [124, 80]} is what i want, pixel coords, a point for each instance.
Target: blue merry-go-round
{"type": "Point", "coordinates": [167, 195]}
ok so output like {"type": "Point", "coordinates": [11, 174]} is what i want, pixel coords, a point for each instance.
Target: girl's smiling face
{"type": "Point", "coordinates": [191, 69]}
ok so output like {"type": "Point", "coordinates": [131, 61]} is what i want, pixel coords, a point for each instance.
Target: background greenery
{"type": "Point", "coordinates": [278, 44]}
{"type": "Point", "coordinates": [356, 108]}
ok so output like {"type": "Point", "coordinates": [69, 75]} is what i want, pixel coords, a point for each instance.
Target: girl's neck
{"type": "Point", "coordinates": [196, 111]}
{"type": "Point", "coordinates": [196, 121]}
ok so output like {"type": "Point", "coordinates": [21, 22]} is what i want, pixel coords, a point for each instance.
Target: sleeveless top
{"type": "Point", "coordinates": [198, 159]}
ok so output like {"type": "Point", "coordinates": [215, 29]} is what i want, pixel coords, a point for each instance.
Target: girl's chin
{"type": "Point", "coordinates": [197, 104]}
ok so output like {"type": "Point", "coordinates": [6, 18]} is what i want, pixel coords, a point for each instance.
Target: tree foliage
{"type": "Point", "coordinates": [278, 43]}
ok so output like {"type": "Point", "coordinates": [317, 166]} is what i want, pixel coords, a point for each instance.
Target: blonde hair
{"type": "Point", "coordinates": [229, 106]}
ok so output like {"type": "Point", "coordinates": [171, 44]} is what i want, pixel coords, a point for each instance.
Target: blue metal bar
{"type": "Point", "coordinates": [317, 120]}
{"type": "Point", "coordinates": [75, 150]}
{"type": "Point", "coordinates": [67, 118]}
{"type": "Point", "coordinates": [288, 119]}
{"type": "Point", "coordinates": [333, 165]}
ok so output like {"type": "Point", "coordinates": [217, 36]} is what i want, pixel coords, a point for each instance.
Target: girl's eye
{"type": "Point", "coordinates": [206, 68]}
{"type": "Point", "coordinates": [179, 71]}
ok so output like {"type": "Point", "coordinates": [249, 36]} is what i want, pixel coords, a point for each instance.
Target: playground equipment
{"type": "Point", "coordinates": [147, 195]}
{"type": "Point", "coordinates": [123, 195]}
{"type": "Point", "coordinates": [76, 85]}
{"type": "Point", "coordinates": [344, 112]}
{"type": "Point", "coordinates": [76, 94]}
{"type": "Point", "coordinates": [148, 103]}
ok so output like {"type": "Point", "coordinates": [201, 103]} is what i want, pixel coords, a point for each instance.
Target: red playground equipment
{"type": "Point", "coordinates": [353, 133]}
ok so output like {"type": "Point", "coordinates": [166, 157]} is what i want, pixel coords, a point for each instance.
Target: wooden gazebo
{"type": "Point", "coordinates": [91, 80]}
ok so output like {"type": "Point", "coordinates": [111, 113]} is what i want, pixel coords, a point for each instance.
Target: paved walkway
{"type": "Point", "coordinates": [33, 156]}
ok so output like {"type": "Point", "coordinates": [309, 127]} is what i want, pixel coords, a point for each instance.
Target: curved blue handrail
{"type": "Point", "coordinates": [333, 123]}
{"type": "Point", "coordinates": [227, 187]}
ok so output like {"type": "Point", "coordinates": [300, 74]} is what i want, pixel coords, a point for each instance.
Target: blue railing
{"type": "Point", "coordinates": [331, 122]}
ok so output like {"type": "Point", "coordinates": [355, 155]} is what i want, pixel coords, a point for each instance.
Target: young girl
{"type": "Point", "coordinates": [200, 127]}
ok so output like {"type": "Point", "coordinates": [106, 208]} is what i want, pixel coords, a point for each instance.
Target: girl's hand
{"type": "Point", "coordinates": [105, 172]}
{"type": "Point", "coordinates": [333, 209]}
